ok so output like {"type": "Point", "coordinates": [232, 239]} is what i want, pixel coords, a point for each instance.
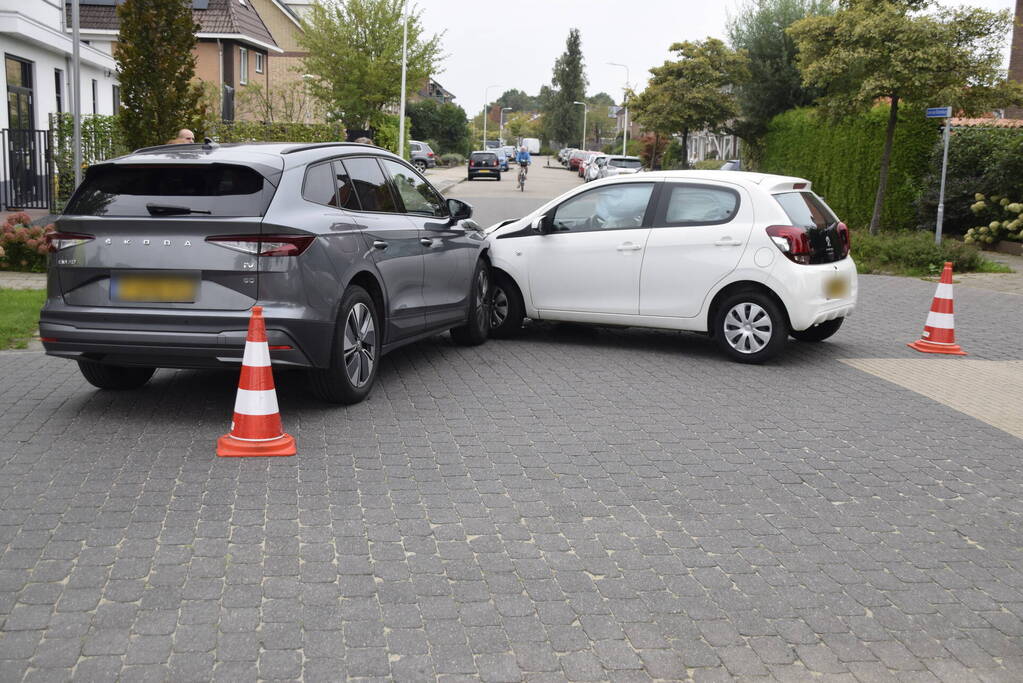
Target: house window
{"type": "Point", "coordinates": [243, 65]}
{"type": "Point", "coordinates": [95, 96]}
{"type": "Point", "coordinates": [259, 62]}
{"type": "Point", "coordinates": [58, 89]}
{"type": "Point", "coordinates": [116, 90]}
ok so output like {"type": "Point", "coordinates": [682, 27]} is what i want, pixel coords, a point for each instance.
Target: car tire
{"type": "Point", "coordinates": [347, 382]}
{"type": "Point", "coordinates": [817, 333]}
{"type": "Point", "coordinates": [421, 165]}
{"type": "Point", "coordinates": [116, 377]}
{"type": "Point", "coordinates": [477, 327]}
{"type": "Point", "coordinates": [750, 327]}
{"type": "Point", "coordinates": [498, 177]}
{"type": "Point", "coordinates": [505, 307]}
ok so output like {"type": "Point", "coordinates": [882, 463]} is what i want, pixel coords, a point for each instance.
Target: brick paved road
{"type": "Point", "coordinates": [569, 505]}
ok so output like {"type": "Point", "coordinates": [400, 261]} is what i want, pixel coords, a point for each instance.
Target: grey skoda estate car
{"type": "Point", "coordinates": [161, 254]}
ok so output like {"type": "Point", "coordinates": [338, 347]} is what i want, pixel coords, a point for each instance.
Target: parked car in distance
{"type": "Point", "coordinates": [493, 144]}
{"type": "Point", "coordinates": [584, 162]}
{"type": "Point", "coordinates": [509, 152]}
{"type": "Point", "coordinates": [484, 163]}
{"type": "Point", "coordinates": [532, 145]}
{"type": "Point", "coordinates": [563, 155]}
{"type": "Point", "coordinates": [502, 158]}
{"type": "Point", "coordinates": [161, 254]}
{"type": "Point", "coordinates": [748, 258]}
{"type": "Point", "coordinates": [421, 154]}
{"type": "Point", "coordinates": [576, 158]}
{"type": "Point", "coordinates": [621, 165]}
{"type": "Point", "coordinates": [593, 167]}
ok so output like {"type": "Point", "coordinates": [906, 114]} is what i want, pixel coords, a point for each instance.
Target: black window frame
{"type": "Point", "coordinates": [397, 194]}
{"type": "Point", "coordinates": [661, 216]}
{"type": "Point", "coordinates": [387, 182]}
{"type": "Point", "coordinates": [95, 97]}
{"type": "Point", "coordinates": [58, 89]}
{"type": "Point", "coordinates": [305, 181]}
{"type": "Point", "coordinates": [648, 213]}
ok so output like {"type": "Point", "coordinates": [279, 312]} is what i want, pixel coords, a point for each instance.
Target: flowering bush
{"type": "Point", "coordinates": [23, 245]}
{"type": "Point", "coordinates": [1006, 220]}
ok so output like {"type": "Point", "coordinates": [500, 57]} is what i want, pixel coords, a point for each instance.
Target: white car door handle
{"type": "Point", "coordinates": [727, 242]}
{"type": "Point", "coordinates": [629, 246]}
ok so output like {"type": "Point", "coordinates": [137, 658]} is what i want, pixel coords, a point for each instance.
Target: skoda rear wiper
{"type": "Point", "coordinates": [171, 210]}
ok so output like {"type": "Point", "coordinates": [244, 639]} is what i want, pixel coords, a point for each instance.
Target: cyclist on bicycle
{"type": "Point", "coordinates": [523, 158]}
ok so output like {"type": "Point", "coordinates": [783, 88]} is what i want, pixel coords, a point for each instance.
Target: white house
{"type": "Point", "coordinates": [37, 50]}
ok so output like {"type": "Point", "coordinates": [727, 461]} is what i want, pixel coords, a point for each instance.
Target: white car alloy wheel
{"type": "Point", "coordinates": [748, 328]}
{"type": "Point", "coordinates": [359, 345]}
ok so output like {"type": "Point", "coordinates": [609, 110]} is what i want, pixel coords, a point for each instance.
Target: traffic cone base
{"type": "Point", "coordinates": [925, 346]}
{"type": "Point", "coordinates": [230, 447]}
{"type": "Point", "coordinates": [256, 429]}
{"type": "Point", "coordinates": [939, 331]}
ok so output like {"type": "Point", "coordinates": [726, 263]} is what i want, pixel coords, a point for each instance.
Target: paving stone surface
{"type": "Point", "coordinates": [571, 505]}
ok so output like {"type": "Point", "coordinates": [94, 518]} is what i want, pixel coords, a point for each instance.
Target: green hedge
{"type": "Point", "coordinates": [100, 140]}
{"type": "Point", "coordinates": [255, 131]}
{"type": "Point", "coordinates": [842, 160]}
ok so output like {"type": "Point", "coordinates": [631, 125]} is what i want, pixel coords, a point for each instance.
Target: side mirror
{"type": "Point", "coordinates": [539, 224]}
{"type": "Point", "coordinates": [459, 210]}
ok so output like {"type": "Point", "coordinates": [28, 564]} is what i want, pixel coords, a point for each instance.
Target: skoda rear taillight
{"type": "Point", "coordinates": [791, 241]}
{"type": "Point", "coordinates": [843, 230]}
{"type": "Point", "coordinates": [264, 245]}
{"type": "Point", "coordinates": [55, 241]}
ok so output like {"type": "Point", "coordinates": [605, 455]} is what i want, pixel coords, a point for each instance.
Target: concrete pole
{"type": "Point", "coordinates": [404, 69]}
{"type": "Point", "coordinates": [941, 192]}
{"type": "Point", "coordinates": [76, 100]}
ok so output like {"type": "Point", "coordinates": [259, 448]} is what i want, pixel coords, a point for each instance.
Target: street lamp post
{"type": "Point", "coordinates": [500, 131]}
{"type": "Point", "coordinates": [404, 70]}
{"type": "Point", "coordinates": [625, 130]}
{"type": "Point", "coordinates": [486, 95]}
{"type": "Point", "coordinates": [583, 147]}
{"type": "Point", "coordinates": [76, 93]}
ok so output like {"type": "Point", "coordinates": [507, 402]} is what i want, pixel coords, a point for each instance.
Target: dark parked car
{"type": "Point", "coordinates": [422, 155]}
{"type": "Point", "coordinates": [161, 254]}
{"type": "Point", "coordinates": [484, 163]}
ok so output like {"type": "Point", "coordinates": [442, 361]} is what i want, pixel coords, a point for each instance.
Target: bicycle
{"type": "Point", "coordinates": [522, 177]}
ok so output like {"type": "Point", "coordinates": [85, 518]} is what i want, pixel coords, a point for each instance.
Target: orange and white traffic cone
{"type": "Point", "coordinates": [939, 331]}
{"type": "Point", "coordinates": [256, 429]}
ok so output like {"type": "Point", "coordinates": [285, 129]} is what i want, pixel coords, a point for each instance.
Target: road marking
{"type": "Point", "coordinates": [991, 391]}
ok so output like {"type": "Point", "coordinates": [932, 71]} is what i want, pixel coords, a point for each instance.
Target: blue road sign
{"type": "Point", "coordinates": [939, 112]}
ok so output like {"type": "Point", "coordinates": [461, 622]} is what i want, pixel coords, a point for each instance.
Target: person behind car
{"type": "Point", "coordinates": [523, 158]}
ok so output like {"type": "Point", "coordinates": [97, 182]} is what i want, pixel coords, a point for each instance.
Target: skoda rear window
{"type": "Point", "coordinates": [172, 190]}
{"type": "Point", "coordinates": [806, 210]}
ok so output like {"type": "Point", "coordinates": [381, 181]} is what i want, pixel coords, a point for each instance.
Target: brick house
{"type": "Point", "coordinates": [233, 47]}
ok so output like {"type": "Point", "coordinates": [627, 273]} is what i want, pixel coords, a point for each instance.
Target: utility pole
{"type": "Point", "coordinates": [404, 69]}
{"type": "Point", "coordinates": [76, 100]}
{"type": "Point", "coordinates": [583, 145]}
{"type": "Point", "coordinates": [625, 102]}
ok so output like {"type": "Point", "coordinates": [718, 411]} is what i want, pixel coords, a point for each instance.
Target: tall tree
{"type": "Point", "coordinates": [517, 100]}
{"type": "Point", "coordinates": [775, 84]}
{"type": "Point", "coordinates": [692, 93]}
{"type": "Point", "coordinates": [562, 119]}
{"type": "Point", "coordinates": [355, 55]}
{"type": "Point", "coordinates": [444, 123]}
{"type": "Point", "coordinates": [888, 49]}
{"type": "Point", "coordinates": [155, 66]}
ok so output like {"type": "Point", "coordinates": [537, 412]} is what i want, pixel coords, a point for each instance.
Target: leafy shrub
{"type": "Point", "coordinates": [912, 252]}
{"type": "Point", "coordinates": [256, 131]}
{"type": "Point", "coordinates": [842, 160]}
{"type": "Point", "coordinates": [982, 160]}
{"type": "Point", "coordinates": [452, 159]}
{"type": "Point", "coordinates": [1005, 220]}
{"type": "Point", "coordinates": [23, 245]}
{"type": "Point", "coordinates": [672, 155]}
{"type": "Point", "coordinates": [708, 164]}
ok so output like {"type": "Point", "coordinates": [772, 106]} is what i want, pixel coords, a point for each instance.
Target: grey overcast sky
{"type": "Point", "coordinates": [514, 44]}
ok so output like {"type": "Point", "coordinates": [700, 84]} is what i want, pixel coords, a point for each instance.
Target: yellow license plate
{"type": "Point", "coordinates": [154, 288]}
{"type": "Point", "coordinates": [837, 287]}
{"type": "Point", "coordinates": [483, 170]}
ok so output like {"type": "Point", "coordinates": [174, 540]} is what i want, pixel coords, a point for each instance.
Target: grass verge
{"type": "Point", "coordinates": [913, 253]}
{"type": "Point", "coordinates": [19, 316]}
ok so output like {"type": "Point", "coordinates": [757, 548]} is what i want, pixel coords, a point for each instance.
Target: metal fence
{"type": "Point", "coordinates": [26, 169]}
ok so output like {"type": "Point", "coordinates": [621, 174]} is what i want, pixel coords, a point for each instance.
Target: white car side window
{"type": "Point", "coordinates": [607, 208]}
{"type": "Point", "coordinates": [700, 205]}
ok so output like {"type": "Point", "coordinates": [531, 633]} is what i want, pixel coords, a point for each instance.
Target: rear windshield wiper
{"type": "Point", "coordinates": [170, 210]}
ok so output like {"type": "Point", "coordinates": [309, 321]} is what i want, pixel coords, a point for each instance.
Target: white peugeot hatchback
{"type": "Point", "coordinates": [749, 258]}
